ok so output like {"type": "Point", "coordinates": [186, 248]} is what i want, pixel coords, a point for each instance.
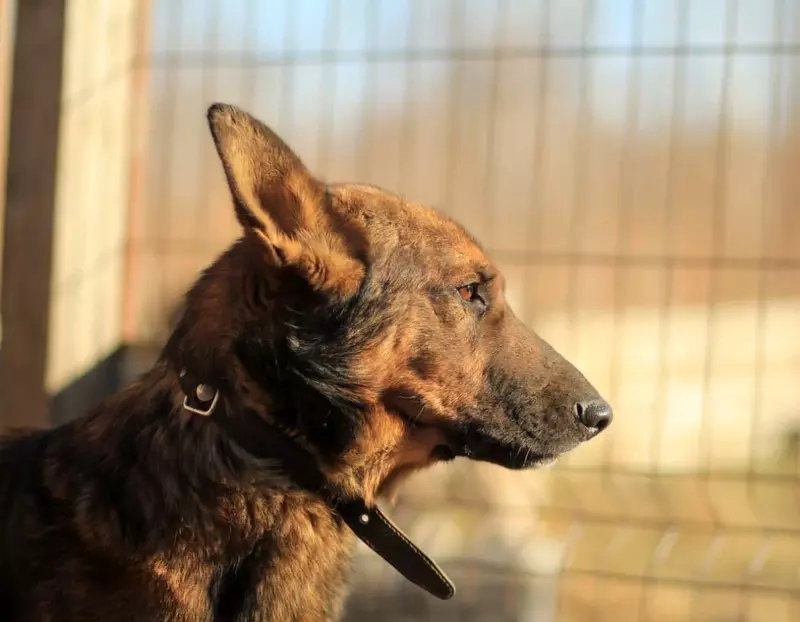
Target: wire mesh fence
{"type": "Point", "coordinates": [632, 166]}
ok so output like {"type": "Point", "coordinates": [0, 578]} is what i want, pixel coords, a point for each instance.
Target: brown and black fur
{"type": "Point", "coordinates": [372, 330]}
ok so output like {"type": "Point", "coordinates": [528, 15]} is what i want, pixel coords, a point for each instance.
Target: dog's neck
{"type": "Point", "coordinates": [266, 441]}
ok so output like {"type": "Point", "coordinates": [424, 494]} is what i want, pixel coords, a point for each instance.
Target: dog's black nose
{"type": "Point", "coordinates": [595, 414]}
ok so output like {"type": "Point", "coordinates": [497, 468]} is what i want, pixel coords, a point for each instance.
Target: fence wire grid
{"type": "Point", "coordinates": [632, 164]}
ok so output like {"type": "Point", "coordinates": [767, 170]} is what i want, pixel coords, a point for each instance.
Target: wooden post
{"type": "Point", "coordinates": [30, 204]}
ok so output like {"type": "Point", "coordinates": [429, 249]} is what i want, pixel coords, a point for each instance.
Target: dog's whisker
{"type": "Point", "coordinates": [414, 420]}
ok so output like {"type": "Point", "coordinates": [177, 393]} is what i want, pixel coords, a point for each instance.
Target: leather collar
{"type": "Point", "coordinates": [264, 441]}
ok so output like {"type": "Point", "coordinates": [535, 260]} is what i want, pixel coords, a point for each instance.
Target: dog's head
{"type": "Point", "coordinates": [377, 328]}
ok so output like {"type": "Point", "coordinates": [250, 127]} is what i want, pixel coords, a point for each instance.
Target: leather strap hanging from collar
{"type": "Point", "coordinates": [373, 527]}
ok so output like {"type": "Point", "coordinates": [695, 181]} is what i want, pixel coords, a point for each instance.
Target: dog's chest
{"type": "Point", "coordinates": [288, 580]}
{"type": "Point", "coordinates": [294, 570]}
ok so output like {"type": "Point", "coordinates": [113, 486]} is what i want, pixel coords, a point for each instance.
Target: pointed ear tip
{"type": "Point", "coordinates": [227, 122]}
{"type": "Point", "coordinates": [221, 115]}
{"type": "Point", "coordinates": [222, 112]}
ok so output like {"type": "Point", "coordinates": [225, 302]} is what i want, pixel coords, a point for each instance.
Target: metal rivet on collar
{"type": "Point", "coordinates": [205, 393]}
{"type": "Point", "coordinates": [364, 519]}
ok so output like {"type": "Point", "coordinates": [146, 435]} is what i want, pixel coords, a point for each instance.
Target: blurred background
{"type": "Point", "coordinates": [634, 167]}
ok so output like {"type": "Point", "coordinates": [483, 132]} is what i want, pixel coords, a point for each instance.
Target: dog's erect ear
{"type": "Point", "coordinates": [278, 199]}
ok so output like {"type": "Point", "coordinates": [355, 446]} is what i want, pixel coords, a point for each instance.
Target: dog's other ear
{"type": "Point", "coordinates": [279, 200]}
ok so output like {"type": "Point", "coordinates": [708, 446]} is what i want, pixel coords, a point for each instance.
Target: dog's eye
{"type": "Point", "coordinates": [469, 293]}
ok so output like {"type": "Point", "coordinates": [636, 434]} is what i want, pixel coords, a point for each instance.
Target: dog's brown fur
{"type": "Point", "coordinates": [372, 330]}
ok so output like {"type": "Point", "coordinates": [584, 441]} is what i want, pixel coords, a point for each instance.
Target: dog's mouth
{"type": "Point", "coordinates": [514, 449]}
{"type": "Point", "coordinates": [512, 454]}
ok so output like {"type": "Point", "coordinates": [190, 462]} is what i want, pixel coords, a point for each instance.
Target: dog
{"type": "Point", "coordinates": [347, 339]}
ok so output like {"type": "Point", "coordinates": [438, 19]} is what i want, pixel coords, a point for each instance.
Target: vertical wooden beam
{"type": "Point", "coordinates": [30, 206]}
